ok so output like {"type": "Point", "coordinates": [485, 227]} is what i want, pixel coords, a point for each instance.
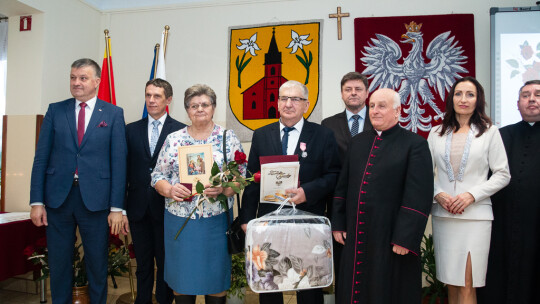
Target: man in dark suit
{"type": "Point", "coordinates": [78, 179]}
{"type": "Point", "coordinates": [345, 125]}
{"type": "Point", "coordinates": [144, 205]}
{"type": "Point", "coordinates": [319, 166]}
{"type": "Point", "coordinates": [355, 118]}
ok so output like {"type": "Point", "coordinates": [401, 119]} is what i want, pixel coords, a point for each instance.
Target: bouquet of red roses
{"type": "Point", "coordinates": [229, 176]}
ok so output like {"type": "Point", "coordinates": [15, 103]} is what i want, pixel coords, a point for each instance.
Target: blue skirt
{"type": "Point", "coordinates": [198, 262]}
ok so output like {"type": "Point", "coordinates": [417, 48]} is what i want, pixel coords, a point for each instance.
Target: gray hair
{"type": "Point", "coordinates": [295, 84]}
{"type": "Point", "coordinates": [198, 90]}
{"type": "Point", "coordinates": [84, 62]}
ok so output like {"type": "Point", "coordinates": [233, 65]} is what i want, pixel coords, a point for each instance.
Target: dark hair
{"type": "Point", "coordinates": [535, 81]}
{"type": "Point", "coordinates": [83, 62]}
{"type": "Point", "coordinates": [160, 83]}
{"type": "Point", "coordinates": [354, 76]}
{"type": "Point", "coordinates": [198, 90]}
{"type": "Point", "coordinates": [479, 119]}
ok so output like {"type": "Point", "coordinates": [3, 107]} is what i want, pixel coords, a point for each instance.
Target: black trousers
{"type": "Point", "coordinates": [310, 296]}
{"type": "Point", "coordinates": [148, 243]}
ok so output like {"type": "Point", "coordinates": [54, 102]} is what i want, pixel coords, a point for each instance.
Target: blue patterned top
{"type": "Point", "coordinates": [167, 168]}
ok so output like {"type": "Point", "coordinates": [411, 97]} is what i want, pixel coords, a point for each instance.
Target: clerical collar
{"type": "Point", "coordinates": [350, 114]}
{"type": "Point", "coordinates": [388, 131]}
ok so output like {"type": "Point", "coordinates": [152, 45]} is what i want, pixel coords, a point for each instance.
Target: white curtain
{"type": "Point", "coordinates": [3, 70]}
{"type": "Point", "coordinates": [3, 39]}
{"type": "Point", "coordinates": [3, 65]}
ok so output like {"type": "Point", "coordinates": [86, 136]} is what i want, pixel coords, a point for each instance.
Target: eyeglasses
{"type": "Point", "coordinates": [293, 99]}
{"type": "Point", "coordinates": [195, 107]}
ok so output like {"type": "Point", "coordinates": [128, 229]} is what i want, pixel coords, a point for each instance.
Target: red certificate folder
{"type": "Point", "coordinates": [278, 159]}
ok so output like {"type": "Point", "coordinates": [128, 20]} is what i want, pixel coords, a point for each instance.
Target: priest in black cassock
{"type": "Point", "coordinates": [514, 266]}
{"type": "Point", "coordinates": [381, 206]}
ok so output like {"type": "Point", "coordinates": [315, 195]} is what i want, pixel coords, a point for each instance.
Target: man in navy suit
{"type": "Point", "coordinates": [78, 179]}
{"type": "Point", "coordinates": [145, 207]}
{"type": "Point", "coordinates": [319, 167]}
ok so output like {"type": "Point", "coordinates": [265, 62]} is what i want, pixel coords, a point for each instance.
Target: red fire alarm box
{"type": "Point", "coordinates": [26, 23]}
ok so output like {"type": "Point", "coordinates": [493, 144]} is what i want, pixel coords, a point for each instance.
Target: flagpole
{"type": "Point", "coordinates": [156, 48]}
{"type": "Point", "coordinates": [107, 50]}
{"type": "Point", "coordinates": [167, 28]}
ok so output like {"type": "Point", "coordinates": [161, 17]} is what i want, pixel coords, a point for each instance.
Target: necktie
{"type": "Point", "coordinates": [155, 135]}
{"type": "Point", "coordinates": [355, 126]}
{"type": "Point", "coordinates": [285, 139]}
{"type": "Point", "coordinates": [81, 122]}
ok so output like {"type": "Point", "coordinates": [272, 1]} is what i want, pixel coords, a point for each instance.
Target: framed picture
{"type": "Point", "coordinates": [195, 164]}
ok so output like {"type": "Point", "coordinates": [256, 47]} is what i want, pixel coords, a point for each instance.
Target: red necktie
{"type": "Point", "coordinates": [80, 123]}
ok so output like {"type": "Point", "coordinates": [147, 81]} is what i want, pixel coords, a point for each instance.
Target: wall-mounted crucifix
{"type": "Point", "coordinates": [339, 15]}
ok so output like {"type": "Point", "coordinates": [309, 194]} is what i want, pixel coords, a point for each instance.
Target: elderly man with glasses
{"type": "Point", "coordinates": [319, 166]}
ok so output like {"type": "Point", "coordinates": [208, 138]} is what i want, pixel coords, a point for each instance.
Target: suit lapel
{"type": "Point", "coordinates": [164, 132]}
{"type": "Point", "coordinates": [70, 115]}
{"type": "Point", "coordinates": [305, 137]}
{"type": "Point", "coordinates": [143, 133]}
{"type": "Point", "coordinates": [344, 126]}
{"type": "Point", "coordinates": [97, 114]}
{"type": "Point", "coordinates": [275, 137]}
{"type": "Point", "coordinates": [367, 122]}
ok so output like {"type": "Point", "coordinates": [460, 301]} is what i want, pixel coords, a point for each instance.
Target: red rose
{"type": "Point", "coordinates": [240, 157]}
{"type": "Point", "coordinates": [42, 242]}
{"type": "Point", "coordinates": [131, 251]}
{"type": "Point", "coordinates": [115, 240]}
{"type": "Point", "coordinates": [257, 177]}
{"type": "Point", "coordinates": [28, 250]}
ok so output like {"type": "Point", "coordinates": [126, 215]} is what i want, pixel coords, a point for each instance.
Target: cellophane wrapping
{"type": "Point", "coordinates": [287, 250]}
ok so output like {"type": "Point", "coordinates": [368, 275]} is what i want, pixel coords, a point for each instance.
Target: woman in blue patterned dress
{"type": "Point", "coordinates": [198, 262]}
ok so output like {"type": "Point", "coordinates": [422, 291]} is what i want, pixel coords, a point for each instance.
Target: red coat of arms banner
{"type": "Point", "coordinates": [418, 56]}
{"type": "Point", "coordinates": [261, 59]}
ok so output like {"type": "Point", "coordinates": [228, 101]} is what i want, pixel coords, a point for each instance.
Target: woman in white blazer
{"type": "Point", "coordinates": [464, 148]}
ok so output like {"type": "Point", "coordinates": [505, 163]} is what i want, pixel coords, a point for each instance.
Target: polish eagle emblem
{"type": "Point", "coordinates": [415, 77]}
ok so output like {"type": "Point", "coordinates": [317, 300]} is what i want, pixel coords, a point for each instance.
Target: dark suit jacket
{"type": "Point", "coordinates": [318, 170]}
{"type": "Point", "coordinates": [101, 158]}
{"type": "Point", "coordinates": [140, 195]}
{"type": "Point", "coordinates": [338, 123]}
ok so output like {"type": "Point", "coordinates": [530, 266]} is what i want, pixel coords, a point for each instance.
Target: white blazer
{"type": "Point", "coordinates": [480, 154]}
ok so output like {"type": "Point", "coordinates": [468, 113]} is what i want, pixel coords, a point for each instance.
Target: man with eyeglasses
{"type": "Point", "coordinates": [319, 167]}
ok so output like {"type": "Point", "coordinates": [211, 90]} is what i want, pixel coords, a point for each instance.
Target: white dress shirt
{"type": "Point", "coordinates": [151, 126]}
{"type": "Point", "coordinates": [294, 135]}
{"type": "Point", "coordinates": [88, 110]}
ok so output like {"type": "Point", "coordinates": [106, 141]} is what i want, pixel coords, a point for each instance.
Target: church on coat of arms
{"type": "Point", "coordinates": [260, 100]}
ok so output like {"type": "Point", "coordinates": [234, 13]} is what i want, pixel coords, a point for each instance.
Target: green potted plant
{"type": "Point", "coordinates": [237, 292]}
{"type": "Point", "coordinates": [436, 292]}
{"type": "Point", "coordinates": [118, 257]}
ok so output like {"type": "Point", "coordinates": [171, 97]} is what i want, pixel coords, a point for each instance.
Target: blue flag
{"type": "Point", "coordinates": [145, 111]}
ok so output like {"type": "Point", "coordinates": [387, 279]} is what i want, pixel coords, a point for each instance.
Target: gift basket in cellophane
{"type": "Point", "coordinates": [289, 249]}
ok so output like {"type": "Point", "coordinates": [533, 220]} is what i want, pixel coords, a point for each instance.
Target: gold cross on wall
{"type": "Point", "coordinates": [339, 15]}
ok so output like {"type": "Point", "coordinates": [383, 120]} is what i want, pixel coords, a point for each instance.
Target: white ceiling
{"type": "Point", "coordinates": [114, 5]}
